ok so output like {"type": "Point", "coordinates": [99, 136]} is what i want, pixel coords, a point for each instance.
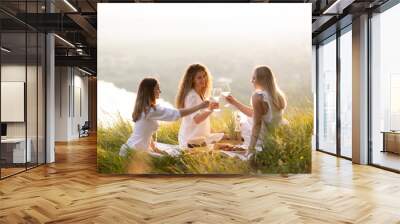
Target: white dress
{"type": "Point", "coordinates": [189, 129]}
{"type": "Point", "coordinates": [273, 116]}
{"type": "Point", "coordinates": [146, 126]}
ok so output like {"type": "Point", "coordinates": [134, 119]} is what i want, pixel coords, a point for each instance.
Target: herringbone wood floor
{"type": "Point", "coordinates": [71, 191]}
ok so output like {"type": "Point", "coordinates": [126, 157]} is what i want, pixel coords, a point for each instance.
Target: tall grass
{"type": "Point", "coordinates": [223, 121]}
{"type": "Point", "coordinates": [168, 133]}
{"type": "Point", "coordinates": [111, 137]}
{"type": "Point", "coordinates": [286, 149]}
{"type": "Point", "coordinates": [204, 161]}
{"type": "Point", "coordinates": [109, 140]}
{"type": "Point", "coordinates": [200, 161]}
{"type": "Point", "coordinates": [108, 161]}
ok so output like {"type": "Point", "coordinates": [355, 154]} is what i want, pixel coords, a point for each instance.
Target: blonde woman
{"type": "Point", "coordinates": [267, 106]}
{"type": "Point", "coordinates": [194, 88]}
{"type": "Point", "coordinates": [147, 113]}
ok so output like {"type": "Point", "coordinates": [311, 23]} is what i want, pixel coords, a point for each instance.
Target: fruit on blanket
{"type": "Point", "coordinates": [227, 147]}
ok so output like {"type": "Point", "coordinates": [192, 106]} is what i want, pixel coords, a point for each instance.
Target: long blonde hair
{"type": "Point", "coordinates": [145, 98]}
{"type": "Point", "coordinates": [265, 78]}
{"type": "Point", "coordinates": [187, 84]}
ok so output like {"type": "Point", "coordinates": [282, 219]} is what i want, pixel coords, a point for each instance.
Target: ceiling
{"type": "Point", "coordinates": [75, 21]}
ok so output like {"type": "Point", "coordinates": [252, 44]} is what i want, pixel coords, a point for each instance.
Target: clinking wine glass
{"type": "Point", "coordinates": [215, 95]}
{"type": "Point", "coordinates": [226, 91]}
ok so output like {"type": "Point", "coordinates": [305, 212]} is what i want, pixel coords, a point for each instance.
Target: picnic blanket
{"type": "Point", "coordinates": [174, 150]}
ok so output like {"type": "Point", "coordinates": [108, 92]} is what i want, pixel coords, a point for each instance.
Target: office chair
{"type": "Point", "coordinates": [84, 130]}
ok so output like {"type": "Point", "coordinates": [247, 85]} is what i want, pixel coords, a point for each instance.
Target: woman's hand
{"type": "Point", "coordinates": [186, 111]}
{"type": "Point", "coordinates": [205, 104]}
{"type": "Point", "coordinates": [230, 99]}
{"type": "Point", "coordinates": [213, 106]}
{"type": "Point", "coordinates": [200, 117]}
{"type": "Point", "coordinates": [248, 111]}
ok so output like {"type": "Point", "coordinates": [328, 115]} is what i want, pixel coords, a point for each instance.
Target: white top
{"type": "Point", "coordinates": [272, 116]}
{"type": "Point", "coordinates": [147, 125]}
{"type": "Point", "coordinates": [189, 129]}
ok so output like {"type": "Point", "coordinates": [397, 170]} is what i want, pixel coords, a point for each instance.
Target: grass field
{"type": "Point", "coordinates": [286, 149]}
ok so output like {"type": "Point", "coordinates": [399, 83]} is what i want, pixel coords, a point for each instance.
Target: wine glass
{"type": "Point", "coordinates": [216, 94]}
{"type": "Point", "coordinates": [226, 91]}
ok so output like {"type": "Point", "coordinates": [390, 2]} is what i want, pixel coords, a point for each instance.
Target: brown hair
{"type": "Point", "coordinates": [145, 98]}
{"type": "Point", "coordinates": [265, 78]}
{"type": "Point", "coordinates": [187, 83]}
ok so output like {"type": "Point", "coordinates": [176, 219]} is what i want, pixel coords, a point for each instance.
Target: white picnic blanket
{"type": "Point", "coordinates": [239, 155]}
{"type": "Point", "coordinates": [174, 150]}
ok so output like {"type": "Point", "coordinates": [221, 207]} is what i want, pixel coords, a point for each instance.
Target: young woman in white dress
{"type": "Point", "coordinates": [267, 106]}
{"type": "Point", "coordinates": [147, 113]}
{"type": "Point", "coordinates": [194, 89]}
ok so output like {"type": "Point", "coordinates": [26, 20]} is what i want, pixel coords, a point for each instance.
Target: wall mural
{"type": "Point", "coordinates": [204, 88]}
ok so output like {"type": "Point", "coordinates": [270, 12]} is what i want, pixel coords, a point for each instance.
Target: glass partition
{"type": "Point", "coordinates": [14, 154]}
{"type": "Point", "coordinates": [385, 89]}
{"type": "Point", "coordinates": [327, 95]}
{"type": "Point", "coordinates": [22, 91]}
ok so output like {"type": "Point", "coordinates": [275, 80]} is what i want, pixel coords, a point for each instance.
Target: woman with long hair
{"type": "Point", "coordinates": [267, 106]}
{"type": "Point", "coordinates": [147, 113]}
{"type": "Point", "coordinates": [194, 89]}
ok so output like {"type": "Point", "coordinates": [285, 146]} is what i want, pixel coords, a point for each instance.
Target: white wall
{"type": "Point", "coordinates": [62, 81]}
{"type": "Point", "coordinates": [12, 73]}
{"type": "Point", "coordinates": [71, 102]}
{"type": "Point", "coordinates": [81, 102]}
{"type": "Point", "coordinates": [16, 73]}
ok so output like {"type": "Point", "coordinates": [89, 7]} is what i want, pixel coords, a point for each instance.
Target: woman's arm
{"type": "Point", "coordinates": [187, 111]}
{"type": "Point", "coordinates": [162, 113]}
{"type": "Point", "coordinates": [203, 115]}
{"type": "Point", "coordinates": [240, 106]}
{"type": "Point", "coordinates": [259, 109]}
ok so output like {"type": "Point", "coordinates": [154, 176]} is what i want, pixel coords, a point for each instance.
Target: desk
{"type": "Point", "coordinates": [13, 150]}
{"type": "Point", "coordinates": [391, 141]}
